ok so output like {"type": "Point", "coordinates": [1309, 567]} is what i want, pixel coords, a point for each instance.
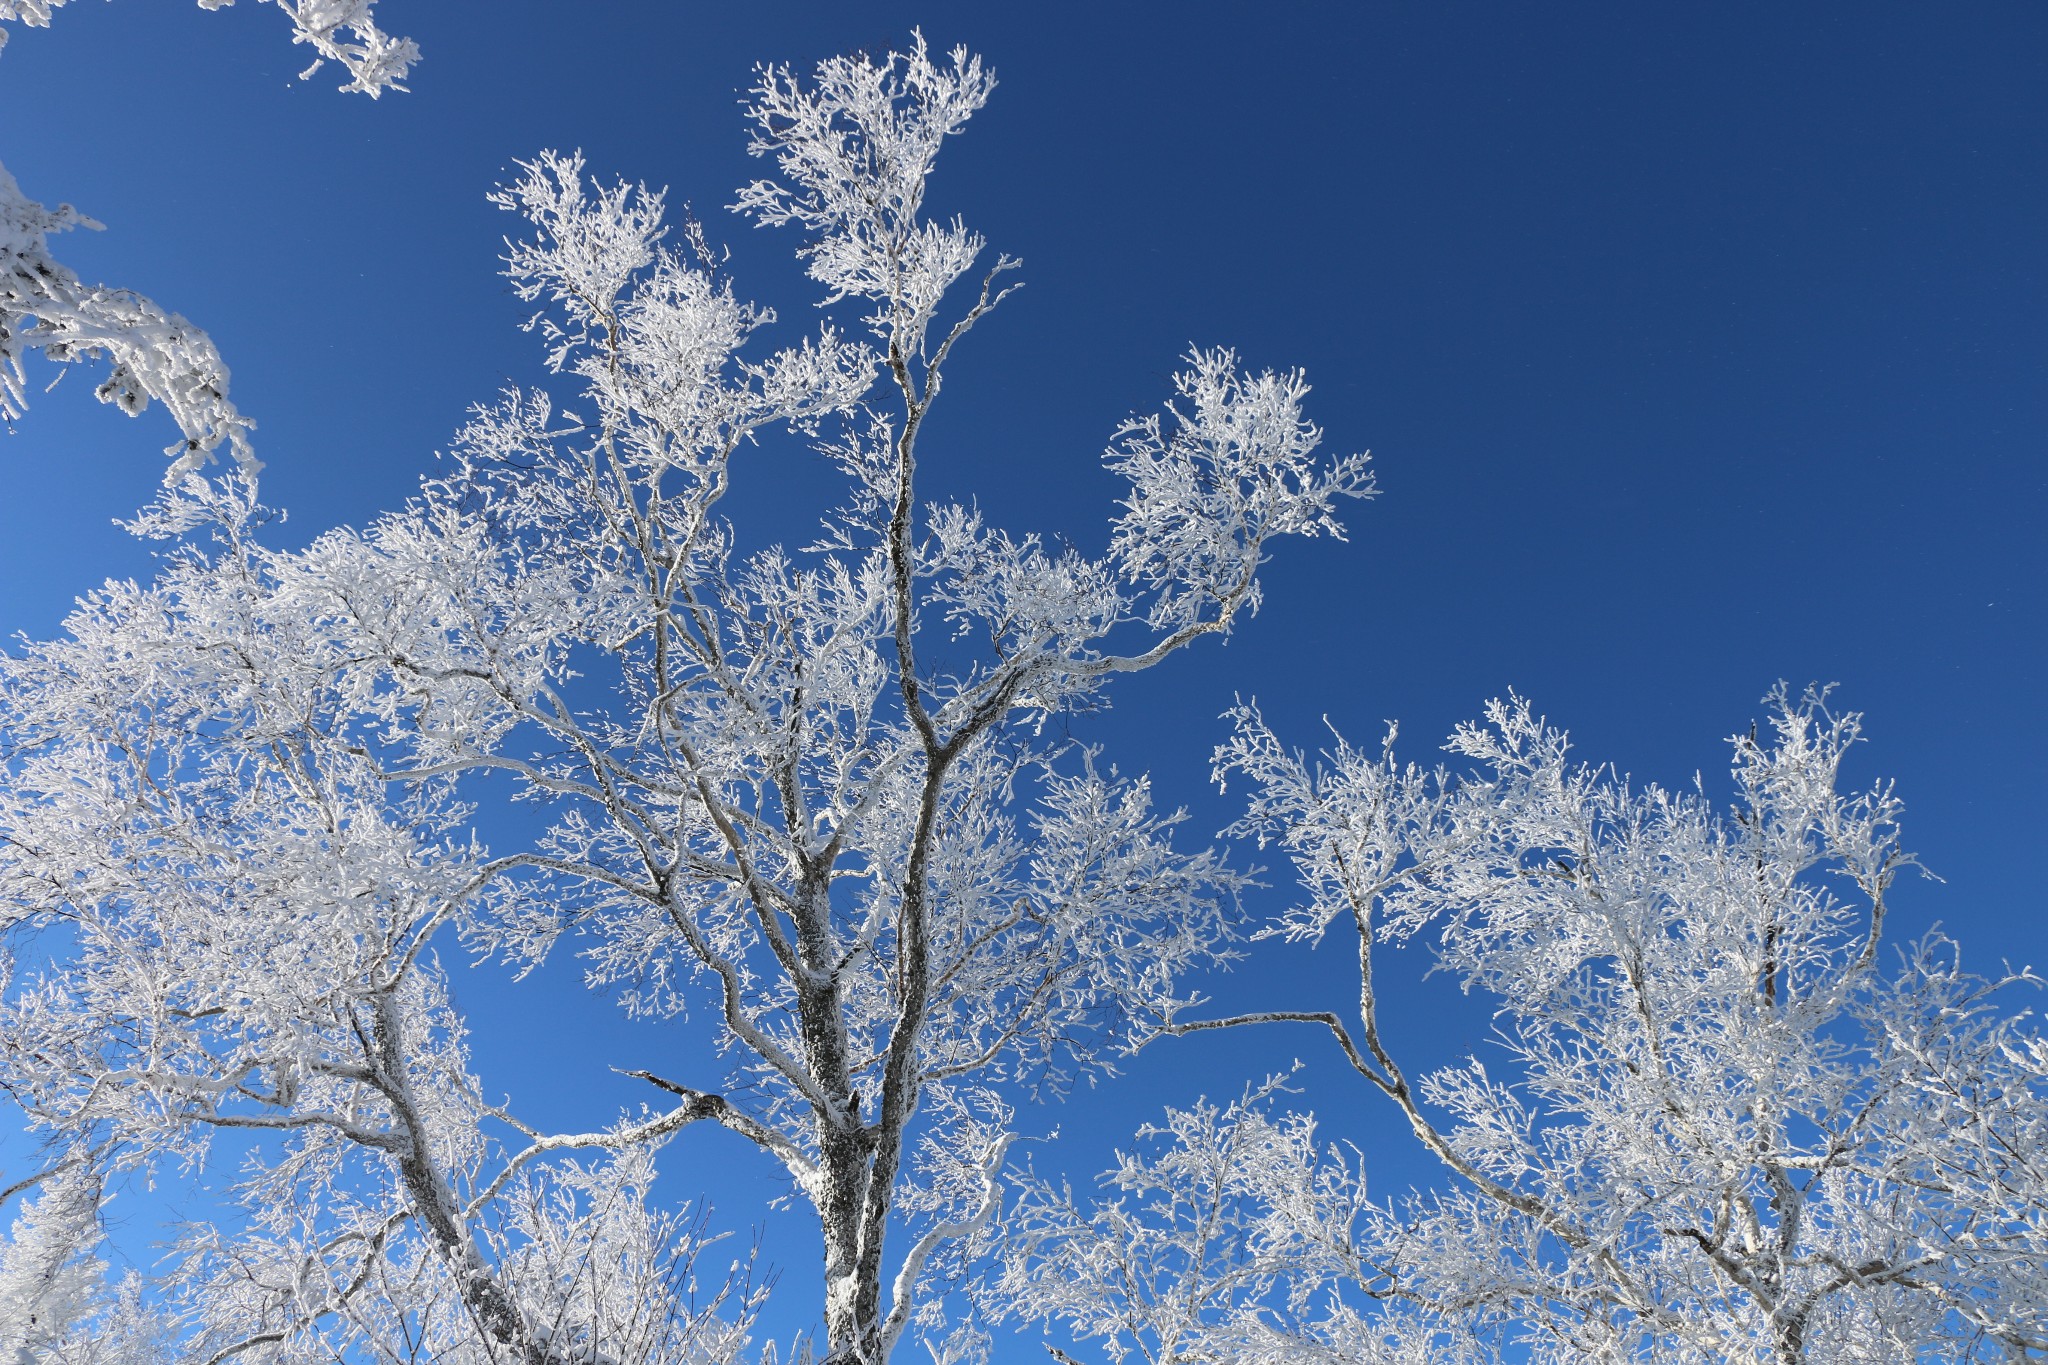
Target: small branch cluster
{"type": "Point", "coordinates": [155, 354]}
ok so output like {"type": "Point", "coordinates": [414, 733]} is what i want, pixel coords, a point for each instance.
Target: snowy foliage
{"type": "Point", "coordinates": [1728, 1125]}
{"type": "Point", "coordinates": [238, 803]}
{"type": "Point", "coordinates": [155, 354]}
{"type": "Point", "coordinates": [46, 1286]}
{"type": "Point", "coordinates": [57, 1306]}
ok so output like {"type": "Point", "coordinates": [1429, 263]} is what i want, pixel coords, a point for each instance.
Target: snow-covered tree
{"type": "Point", "coordinates": [46, 1285]}
{"type": "Point", "coordinates": [812, 791]}
{"type": "Point", "coordinates": [57, 1305]}
{"type": "Point", "coordinates": [1728, 1123]}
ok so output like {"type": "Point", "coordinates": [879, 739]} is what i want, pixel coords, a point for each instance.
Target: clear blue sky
{"type": "Point", "coordinates": [1698, 346]}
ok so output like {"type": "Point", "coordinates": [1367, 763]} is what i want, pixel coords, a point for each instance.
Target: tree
{"type": "Point", "coordinates": [816, 789]}
{"type": "Point", "coordinates": [55, 1302]}
{"type": "Point", "coordinates": [1730, 1128]}
{"type": "Point", "coordinates": [45, 1286]}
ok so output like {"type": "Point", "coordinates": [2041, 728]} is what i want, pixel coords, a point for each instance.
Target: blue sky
{"type": "Point", "coordinates": [1697, 347]}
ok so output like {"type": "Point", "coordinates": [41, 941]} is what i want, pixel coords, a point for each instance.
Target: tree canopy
{"type": "Point", "coordinates": [264, 811]}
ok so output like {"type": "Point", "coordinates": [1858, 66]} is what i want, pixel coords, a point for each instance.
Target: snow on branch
{"type": "Point", "coordinates": [1229, 465]}
{"type": "Point", "coordinates": [854, 149]}
{"type": "Point", "coordinates": [155, 354]}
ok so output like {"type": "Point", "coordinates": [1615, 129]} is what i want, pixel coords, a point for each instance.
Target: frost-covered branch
{"type": "Point", "coordinates": [154, 354]}
{"type": "Point", "coordinates": [340, 31]}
